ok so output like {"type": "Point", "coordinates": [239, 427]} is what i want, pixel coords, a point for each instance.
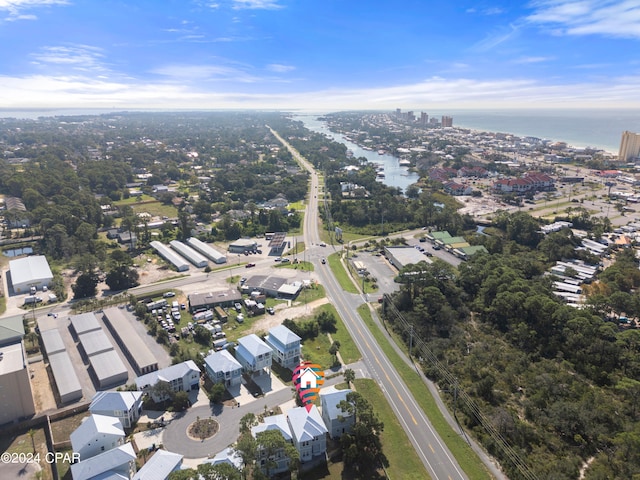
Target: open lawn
{"type": "Point", "coordinates": [317, 351]}
{"type": "Point", "coordinates": [340, 273]}
{"type": "Point", "coordinates": [403, 459]}
{"type": "Point", "coordinates": [148, 204]}
{"type": "Point", "coordinates": [466, 458]}
{"type": "Point", "coordinates": [297, 206]}
{"type": "Point", "coordinates": [304, 266]}
{"type": "Point", "coordinates": [348, 349]}
{"type": "Point", "coordinates": [297, 249]}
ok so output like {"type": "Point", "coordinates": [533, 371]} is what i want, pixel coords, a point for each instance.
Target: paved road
{"type": "Point", "coordinates": [434, 454]}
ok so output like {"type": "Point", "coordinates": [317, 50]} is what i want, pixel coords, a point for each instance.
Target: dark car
{"type": "Point", "coordinates": [249, 265]}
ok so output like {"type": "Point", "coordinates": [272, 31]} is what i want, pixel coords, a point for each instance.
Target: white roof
{"type": "Point", "coordinates": [222, 361]}
{"type": "Point", "coordinates": [29, 269]}
{"type": "Point", "coordinates": [331, 397]}
{"type": "Point", "coordinates": [112, 401]}
{"type": "Point", "coordinates": [95, 425]}
{"type": "Point", "coordinates": [179, 370]}
{"type": "Point", "coordinates": [102, 463]}
{"type": "Point", "coordinates": [274, 422]}
{"type": "Point", "coordinates": [305, 426]}
{"type": "Point", "coordinates": [52, 341]}
{"type": "Point", "coordinates": [159, 466]}
{"type": "Point", "coordinates": [228, 455]}
{"type": "Point", "coordinates": [253, 345]}
{"type": "Point", "coordinates": [283, 335]}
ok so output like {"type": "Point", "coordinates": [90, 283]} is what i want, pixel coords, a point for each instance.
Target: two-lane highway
{"type": "Point", "coordinates": [434, 454]}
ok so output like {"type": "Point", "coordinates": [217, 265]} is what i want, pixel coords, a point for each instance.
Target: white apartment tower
{"type": "Point", "coordinates": [629, 146]}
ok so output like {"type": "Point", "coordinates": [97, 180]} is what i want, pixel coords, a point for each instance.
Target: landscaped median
{"type": "Point", "coordinates": [466, 457]}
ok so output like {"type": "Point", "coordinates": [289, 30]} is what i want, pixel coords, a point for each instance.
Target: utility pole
{"type": "Point", "coordinates": [410, 340]}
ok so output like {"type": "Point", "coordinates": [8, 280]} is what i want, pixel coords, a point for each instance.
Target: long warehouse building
{"type": "Point", "coordinates": [64, 375]}
{"type": "Point", "coordinates": [132, 345]}
{"type": "Point", "coordinates": [206, 250]}
{"type": "Point", "coordinates": [189, 253]}
{"type": "Point", "coordinates": [170, 256]}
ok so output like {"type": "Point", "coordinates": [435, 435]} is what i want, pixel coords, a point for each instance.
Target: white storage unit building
{"type": "Point", "coordinates": [30, 272]}
{"type": "Point", "coordinates": [206, 250]}
{"type": "Point", "coordinates": [84, 322]}
{"type": "Point", "coordinates": [52, 341]}
{"type": "Point", "coordinates": [189, 253]}
{"type": "Point", "coordinates": [65, 377]}
{"type": "Point", "coordinates": [95, 342]}
{"type": "Point", "coordinates": [170, 256]}
{"type": "Point", "coordinates": [109, 369]}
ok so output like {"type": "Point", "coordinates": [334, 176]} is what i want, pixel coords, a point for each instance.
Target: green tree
{"type": "Point", "coordinates": [181, 401]}
{"type": "Point", "coordinates": [85, 286]}
{"type": "Point", "coordinates": [221, 471]}
{"type": "Point", "coordinates": [216, 393]}
{"type": "Point", "coordinates": [362, 448]}
{"type": "Point", "coordinates": [122, 278]}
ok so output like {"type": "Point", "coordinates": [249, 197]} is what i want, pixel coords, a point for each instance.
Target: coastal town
{"type": "Point", "coordinates": [164, 275]}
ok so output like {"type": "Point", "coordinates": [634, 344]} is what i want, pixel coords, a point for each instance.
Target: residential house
{"type": "Point", "coordinates": [228, 455]}
{"type": "Point", "coordinates": [454, 188]}
{"type": "Point", "coordinates": [117, 461]}
{"type": "Point", "coordinates": [183, 376]}
{"type": "Point", "coordinates": [278, 461]}
{"type": "Point", "coordinates": [221, 367]}
{"type": "Point", "coordinates": [126, 406]}
{"type": "Point", "coordinates": [285, 345]}
{"type": "Point", "coordinates": [309, 433]}
{"type": "Point", "coordinates": [160, 466]}
{"type": "Point", "coordinates": [335, 419]}
{"type": "Point", "coordinates": [254, 355]}
{"type": "Point", "coordinates": [95, 435]}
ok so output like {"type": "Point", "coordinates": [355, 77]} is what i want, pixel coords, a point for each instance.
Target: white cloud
{"type": "Point", "coordinates": [278, 68]}
{"type": "Point", "coordinates": [40, 91]}
{"type": "Point", "coordinates": [14, 8]}
{"type": "Point", "coordinates": [496, 37]}
{"type": "Point", "coordinates": [185, 73]}
{"type": "Point", "coordinates": [75, 57]}
{"type": "Point", "coordinates": [527, 60]}
{"type": "Point", "coordinates": [256, 5]}
{"type": "Point", "coordinates": [614, 18]}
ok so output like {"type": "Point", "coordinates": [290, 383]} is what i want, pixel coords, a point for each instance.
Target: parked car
{"type": "Point", "coordinates": [271, 311]}
{"type": "Point", "coordinates": [238, 307]}
{"type": "Point", "coordinates": [169, 294]}
{"type": "Point", "coordinates": [324, 260]}
{"type": "Point", "coordinates": [285, 260]}
{"type": "Point", "coordinates": [249, 265]}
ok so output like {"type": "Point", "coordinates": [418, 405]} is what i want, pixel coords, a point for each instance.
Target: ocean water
{"type": "Point", "coordinates": [598, 128]}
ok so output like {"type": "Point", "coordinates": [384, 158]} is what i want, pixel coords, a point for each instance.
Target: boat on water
{"type": "Point", "coordinates": [381, 152]}
{"type": "Point", "coordinates": [404, 163]}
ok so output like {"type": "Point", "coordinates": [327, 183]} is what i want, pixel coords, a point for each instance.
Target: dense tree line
{"type": "Point", "coordinates": [559, 383]}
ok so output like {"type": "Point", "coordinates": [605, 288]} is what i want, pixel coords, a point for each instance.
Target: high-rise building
{"type": "Point", "coordinates": [629, 146]}
{"type": "Point", "coordinates": [447, 121]}
{"type": "Point", "coordinates": [424, 118]}
{"type": "Point", "coordinates": [398, 112]}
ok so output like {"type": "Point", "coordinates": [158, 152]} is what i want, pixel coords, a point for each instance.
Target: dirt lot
{"type": "Point", "coordinates": [43, 395]}
{"type": "Point", "coordinates": [283, 312]}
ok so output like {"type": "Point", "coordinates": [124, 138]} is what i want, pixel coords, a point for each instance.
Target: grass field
{"type": "Point", "coordinates": [348, 349]}
{"type": "Point", "coordinates": [341, 274]}
{"type": "Point", "coordinates": [148, 204]}
{"type": "Point", "coordinates": [466, 458]}
{"type": "Point", "coordinates": [403, 459]}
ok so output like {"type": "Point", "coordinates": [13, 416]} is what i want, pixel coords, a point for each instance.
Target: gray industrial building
{"type": "Point", "coordinates": [170, 256]}
{"type": "Point", "coordinates": [67, 382]}
{"type": "Point", "coordinates": [52, 341]}
{"type": "Point", "coordinates": [402, 256]}
{"type": "Point", "coordinates": [108, 369]}
{"type": "Point", "coordinates": [95, 342]}
{"type": "Point", "coordinates": [64, 374]}
{"type": "Point", "coordinates": [206, 250]}
{"type": "Point", "coordinates": [84, 322]}
{"type": "Point", "coordinates": [189, 253]}
{"type": "Point", "coordinates": [127, 337]}
{"type": "Point", "coordinates": [269, 285]}
{"type": "Point", "coordinates": [223, 298]}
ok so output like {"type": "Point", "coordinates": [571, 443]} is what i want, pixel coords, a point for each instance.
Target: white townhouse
{"type": "Point", "coordinates": [221, 367]}
{"type": "Point", "coordinates": [182, 377]}
{"type": "Point", "coordinates": [160, 466]}
{"type": "Point", "coordinates": [254, 355]}
{"type": "Point", "coordinates": [309, 433]}
{"type": "Point", "coordinates": [337, 421]}
{"type": "Point", "coordinates": [278, 461]}
{"type": "Point", "coordinates": [95, 435]}
{"type": "Point", "coordinates": [126, 406]}
{"type": "Point", "coordinates": [117, 463]}
{"type": "Point", "coordinates": [285, 345]}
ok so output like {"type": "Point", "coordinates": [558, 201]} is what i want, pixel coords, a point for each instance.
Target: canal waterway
{"type": "Point", "coordinates": [395, 175]}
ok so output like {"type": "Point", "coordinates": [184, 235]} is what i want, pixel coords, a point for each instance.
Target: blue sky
{"type": "Point", "coordinates": [319, 54]}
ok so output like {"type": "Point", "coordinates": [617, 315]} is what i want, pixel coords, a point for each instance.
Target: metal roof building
{"type": "Point", "coordinates": [170, 256]}
{"type": "Point", "coordinates": [189, 253]}
{"type": "Point", "coordinates": [95, 342]}
{"type": "Point", "coordinates": [52, 341]}
{"type": "Point", "coordinates": [67, 382]}
{"type": "Point", "coordinates": [206, 250]}
{"type": "Point", "coordinates": [108, 368]}
{"type": "Point", "coordinates": [30, 272]}
{"type": "Point", "coordinates": [129, 340]}
{"type": "Point", "coordinates": [84, 322]}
